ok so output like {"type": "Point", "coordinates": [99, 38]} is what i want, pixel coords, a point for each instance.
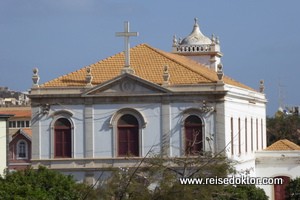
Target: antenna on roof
{"type": "Point", "coordinates": [280, 95]}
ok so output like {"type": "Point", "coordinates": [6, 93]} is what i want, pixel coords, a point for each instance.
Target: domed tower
{"type": "Point", "coordinates": [199, 47]}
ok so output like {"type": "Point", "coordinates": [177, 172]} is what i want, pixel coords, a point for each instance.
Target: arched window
{"type": "Point", "coordinates": [128, 136]}
{"type": "Point", "coordinates": [62, 138]}
{"type": "Point", "coordinates": [193, 135]}
{"type": "Point", "coordinates": [22, 150]}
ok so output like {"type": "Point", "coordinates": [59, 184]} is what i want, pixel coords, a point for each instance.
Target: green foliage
{"type": "Point", "coordinates": [243, 192]}
{"type": "Point", "coordinates": [283, 127]}
{"type": "Point", "coordinates": [158, 178]}
{"type": "Point", "coordinates": [293, 189]}
{"type": "Point", "coordinates": [39, 184]}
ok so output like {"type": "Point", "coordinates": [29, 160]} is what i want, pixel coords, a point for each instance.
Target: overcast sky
{"type": "Point", "coordinates": [260, 39]}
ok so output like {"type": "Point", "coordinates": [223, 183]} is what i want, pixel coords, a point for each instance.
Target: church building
{"type": "Point", "coordinates": [144, 99]}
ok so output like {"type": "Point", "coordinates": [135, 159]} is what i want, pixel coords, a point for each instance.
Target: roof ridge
{"type": "Point", "coordinates": [112, 64]}
{"type": "Point", "coordinates": [203, 68]}
{"type": "Point", "coordinates": [163, 53]}
{"type": "Point", "coordinates": [289, 143]}
{"type": "Point", "coordinates": [283, 142]}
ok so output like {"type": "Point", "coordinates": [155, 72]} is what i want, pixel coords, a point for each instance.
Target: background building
{"type": "Point", "coordinates": [10, 98]}
{"type": "Point", "coordinates": [19, 137]}
{"type": "Point", "coordinates": [279, 160]}
{"type": "Point", "coordinates": [3, 141]}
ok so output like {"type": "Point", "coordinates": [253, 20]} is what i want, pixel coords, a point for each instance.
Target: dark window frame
{"type": "Point", "coordinates": [62, 138]}
{"type": "Point", "coordinates": [193, 135]}
{"type": "Point", "coordinates": [128, 136]}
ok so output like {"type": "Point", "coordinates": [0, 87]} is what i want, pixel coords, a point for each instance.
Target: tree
{"type": "Point", "coordinates": [39, 184]}
{"type": "Point", "coordinates": [283, 127]}
{"type": "Point", "coordinates": [245, 192]}
{"type": "Point", "coordinates": [293, 189]}
{"type": "Point", "coordinates": [157, 177]}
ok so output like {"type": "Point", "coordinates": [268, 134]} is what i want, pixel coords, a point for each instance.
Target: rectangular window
{"type": "Point", "coordinates": [251, 134]}
{"type": "Point", "coordinates": [62, 143]}
{"type": "Point", "coordinates": [21, 151]}
{"type": "Point", "coordinates": [128, 141]}
{"type": "Point", "coordinates": [18, 124]}
{"type": "Point", "coordinates": [12, 124]}
{"type": "Point", "coordinates": [231, 128]}
{"type": "Point", "coordinates": [262, 134]}
{"type": "Point", "coordinates": [246, 139]}
{"type": "Point", "coordinates": [22, 124]}
{"type": "Point", "coordinates": [27, 124]}
{"type": "Point", "coordinates": [239, 135]}
{"type": "Point", "coordinates": [256, 134]}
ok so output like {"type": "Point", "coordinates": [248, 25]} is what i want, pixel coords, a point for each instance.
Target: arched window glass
{"type": "Point", "coordinates": [62, 138]}
{"type": "Point", "coordinates": [193, 135]}
{"type": "Point", "coordinates": [22, 149]}
{"type": "Point", "coordinates": [128, 136]}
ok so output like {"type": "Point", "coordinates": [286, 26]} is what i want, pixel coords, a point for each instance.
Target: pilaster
{"type": "Point", "coordinates": [165, 126]}
{"type": "Point", "coordinates": [88, 129]}
{"type": "Point", "coordinates": [36, 137]}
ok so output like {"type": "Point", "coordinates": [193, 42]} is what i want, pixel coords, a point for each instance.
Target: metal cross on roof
{"type": "Point", "coordinates": [126, 34]}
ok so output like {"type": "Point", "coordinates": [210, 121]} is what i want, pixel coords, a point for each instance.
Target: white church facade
{"type": "Point", "coordinates": [111, 115]}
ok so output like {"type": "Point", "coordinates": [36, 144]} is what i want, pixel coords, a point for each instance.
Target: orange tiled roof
{"type": "Point", "coordinates": [18, 112]}
{"type": "Point", "coordinates": [148, 64]}
{"type": "Point", "coordinates": [282, 145]}
{"type": "Point", "coordinates": [26, 131]}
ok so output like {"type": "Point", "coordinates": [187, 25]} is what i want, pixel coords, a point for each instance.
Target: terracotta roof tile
{"type": "Point", "coordinates": [148, 64]}
{"type": "Point", "coordinates": [282, 145]}
{"type": "Point", "coordinates": [26, 131]}
{"type": "Point", "coordinates": [18, 112]}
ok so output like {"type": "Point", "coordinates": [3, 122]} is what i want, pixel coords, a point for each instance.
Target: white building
{"type": "Point", "coordinates": [280, 160]}
{"type": "Point", "coordinates": [3, 141]}
{"type": "Point", "coordinates": [98, 116]}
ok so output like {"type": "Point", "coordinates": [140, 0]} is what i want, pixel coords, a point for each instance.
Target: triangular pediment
{"type": "Point", "coordinates": [126, 84]}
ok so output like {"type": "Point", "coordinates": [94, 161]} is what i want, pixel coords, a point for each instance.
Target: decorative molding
{"type": "Point", "coordinates": [115, 117]}
{"type": "Point", "coordinates": [61, 114]}
{"type": "Point", "coordinates": [65, 113]}
{"type": "Point", "coordinates": [206, 109]}
{"type": "Point", "coordinates": [201, 109]}
{"type": "Point", "coordinates": [114, 125]}
{"type": "Point", "coordinates": [127, 86]}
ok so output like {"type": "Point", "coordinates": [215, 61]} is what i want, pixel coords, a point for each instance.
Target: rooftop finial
{"type": "Point", "coordinates": [220, 72]}
{"type": "Point", "coordinates": [166, 75]}
{"type": "Point", "coordinates": [175, 42]}
{"type": "Point", "coordinates": [88, 77]}
{"type": "Point", "coordinates": [35, 77]}
{"type": "Point", "coordinates": [217, 40]}
{"type": "Point", "coordinates": [213, 38]}
{"type": "Point", "coordinates": [196, 21]}
{"type": "Point", "coordinates": [261, 86]}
